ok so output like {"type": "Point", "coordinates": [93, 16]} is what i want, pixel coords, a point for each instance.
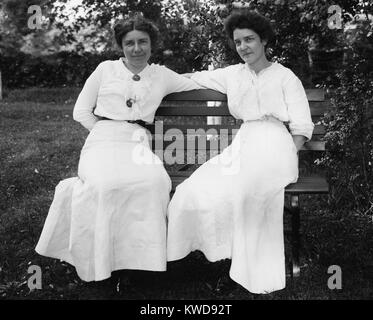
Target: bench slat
{"type": "Point", "coordinates": [319, 129]}
{"type": "Point", "coordinates": [317, 108]}
{"type": "Point", "coordinates": [314, 184]}
{"type": "Point", "coordinates": [315, 94]}
{"type": "Point", "coordinates": [212, 95]}
{"type": "Point", "coordinates": [203, 144]}
{"type": "Point", "coordinates": [314, 146]}
{"type": "Point", "coordinates": [309, 185]}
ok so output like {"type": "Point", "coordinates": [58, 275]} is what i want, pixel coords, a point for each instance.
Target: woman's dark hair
{"type": "Point", "coordinates": [136, 23]}
{"type": "Point", "coordinates": [245, 19]}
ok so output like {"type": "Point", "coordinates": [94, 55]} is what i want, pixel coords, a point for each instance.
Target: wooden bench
{"type": "Point", "coordinates": [188, 110]}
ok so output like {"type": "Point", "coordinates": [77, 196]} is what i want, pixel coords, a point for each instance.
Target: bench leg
{"type": "Point", "coordinates": [295, 235]}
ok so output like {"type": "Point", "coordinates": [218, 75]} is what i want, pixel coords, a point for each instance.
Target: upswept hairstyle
{"type": "Point", "coordinates": [139, 23]}
{"type": "Point", "coordinates": [246, 19]}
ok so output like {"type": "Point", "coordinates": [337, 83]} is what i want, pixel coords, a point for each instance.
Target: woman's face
{"type": "Point", "coordinates": [249, 46]}
{"type": "Point", "coordinates": [136, 47]}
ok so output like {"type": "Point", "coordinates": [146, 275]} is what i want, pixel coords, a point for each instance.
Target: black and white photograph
{"type": "Point", "coordinates": [186, 155]}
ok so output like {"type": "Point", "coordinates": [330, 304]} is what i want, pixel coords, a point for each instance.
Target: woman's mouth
{"type": "Point", "coordinates": [247, 54]}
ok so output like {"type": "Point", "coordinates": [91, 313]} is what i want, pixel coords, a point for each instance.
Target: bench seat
{"type": "Point", "coordinates": [304, 185]}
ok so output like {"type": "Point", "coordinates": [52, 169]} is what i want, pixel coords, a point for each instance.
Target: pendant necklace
{"type": "Point", "coordinates": [136, 77]}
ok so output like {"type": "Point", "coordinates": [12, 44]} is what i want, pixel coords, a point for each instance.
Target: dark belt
{"type": "Point", "coordinates": [139, 122]}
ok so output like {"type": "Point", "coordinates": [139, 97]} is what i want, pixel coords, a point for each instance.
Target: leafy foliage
{"type": "Point", "coordinates": [60, 69]}
{"type": "Point", "coordinates": [349, 123]}
{"type": "Point", "coordinates": [192, 30]}
{"type": "Point", "coordinates": [14, 23]}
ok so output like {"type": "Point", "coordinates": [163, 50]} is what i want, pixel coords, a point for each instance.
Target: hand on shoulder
{"type": "Point", "coordinates": [187, 75]}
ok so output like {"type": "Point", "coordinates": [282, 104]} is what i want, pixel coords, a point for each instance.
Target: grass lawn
{"type": "Point", "coordinates": [40, 145]}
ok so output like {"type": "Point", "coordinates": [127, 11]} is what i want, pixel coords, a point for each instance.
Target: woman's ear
{"type": "Point", "coordinates": [264, 41]}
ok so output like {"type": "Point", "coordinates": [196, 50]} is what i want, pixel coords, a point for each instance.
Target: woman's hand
{"type": "Point", "coordinates": [187, 75]}
{"type": "Point", "coordinates": [299, 141]}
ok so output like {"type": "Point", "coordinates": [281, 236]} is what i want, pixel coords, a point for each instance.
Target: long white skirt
{"type": "Point", "coordinates": [113, 216]}
{"type": "Point", "coordinates": [232, 206]}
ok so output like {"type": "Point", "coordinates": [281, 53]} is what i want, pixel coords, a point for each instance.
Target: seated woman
{"type": "Point", "coordinates": [113, 215]}
{"type": "Point", "coordinates": [232, 206]}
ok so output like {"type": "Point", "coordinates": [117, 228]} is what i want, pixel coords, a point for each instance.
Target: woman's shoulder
{"type": "Point", "coordinates": [237, 66]}
{"type": "Point", "coordinates": [284, 72]}
{"type": "Point", "coordinates": [160, 68]}
{"type": "Point", "coordinates": [233, 69]}
{"type": "Point", "coordinates": [288, 78]}
{"type": "Point", "coordinates": [228, 70]}
{"type": "Point", "coordinates": [108, 64]}
{"type": "Point", "coordinates": [164, 72]}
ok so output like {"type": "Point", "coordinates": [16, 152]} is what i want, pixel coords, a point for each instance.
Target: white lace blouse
{"type": "Point", "coordinates": [111, 85]}
{"type": "Point", "coordinates": [275, 91]}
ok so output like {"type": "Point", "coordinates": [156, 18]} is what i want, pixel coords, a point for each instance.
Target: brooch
{"type": "Point", "coordinates": [129, 103]}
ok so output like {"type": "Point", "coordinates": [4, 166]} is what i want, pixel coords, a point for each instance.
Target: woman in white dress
{"type": "Point", "coordinates": [232, 206]}
{"type": "Point", "coordinates": [113, 215]}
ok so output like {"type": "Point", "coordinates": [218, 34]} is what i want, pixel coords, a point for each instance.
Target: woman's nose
{"type": "Point", "coordinates": [137, 47]}
{"type": "Point", "coordinates": [243, 45]}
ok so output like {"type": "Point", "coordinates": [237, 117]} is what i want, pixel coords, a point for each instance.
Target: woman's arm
{"type": "Point", "coordinates": [86, 102]}
{"type": "Point", "coordinates": [300, 121]}
{"type": "Point", "coordinates": [177, 82]}
{"type": "Point", "coordinates": [299, 141]}
{"type": "Point", "coordinates": [215, 79]}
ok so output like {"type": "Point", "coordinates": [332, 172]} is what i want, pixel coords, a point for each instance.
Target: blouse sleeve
{"type": "Point", "coordinates": [300, 121]}
{"type": "Point", "coordinates": [176, 82]}
{"type": "Point", "coordinates": [215, 79]}
{"type": "Point", "coordinates": [86, 102]}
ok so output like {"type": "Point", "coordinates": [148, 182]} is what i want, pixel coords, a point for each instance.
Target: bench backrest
{"type": "Point", "coordinates": [187, 112]}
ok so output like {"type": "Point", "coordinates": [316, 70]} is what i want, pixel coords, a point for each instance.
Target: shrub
{"type": "Point", "coordinates": [349, 123]}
